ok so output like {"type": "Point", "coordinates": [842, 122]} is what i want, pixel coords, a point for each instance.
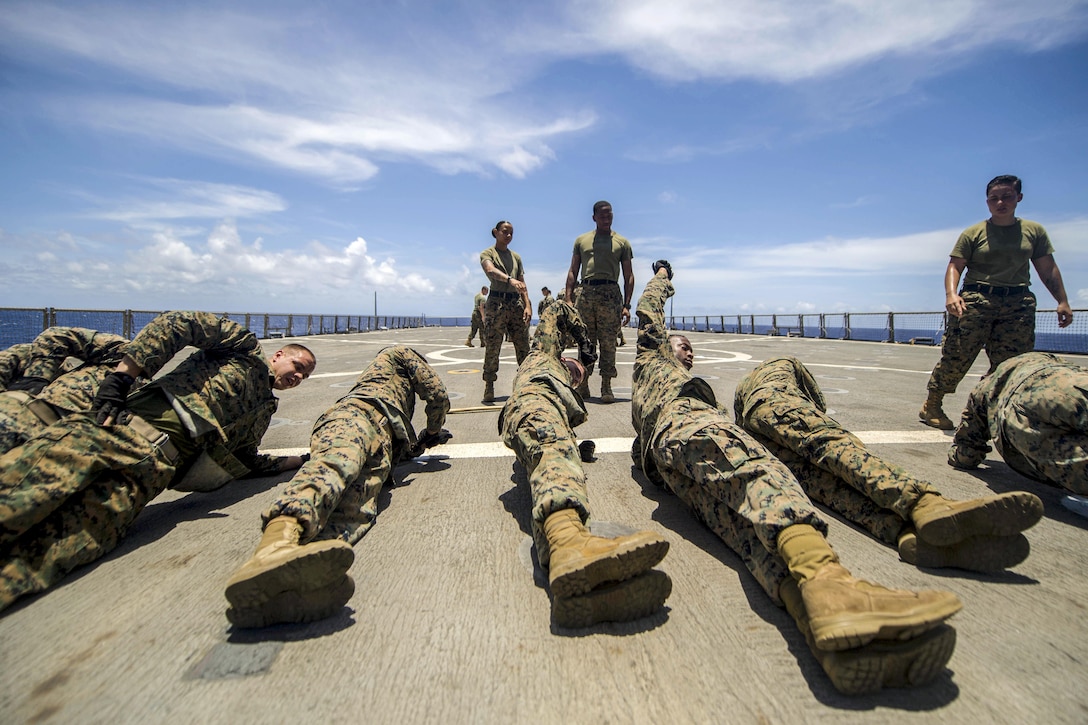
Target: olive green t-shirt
{"type": "Point", "coordinates": [602, 255]}
{"type": "Point", "coordinates": [1001, 255]}
{"type": "Point", "coordinates": [509, 262]}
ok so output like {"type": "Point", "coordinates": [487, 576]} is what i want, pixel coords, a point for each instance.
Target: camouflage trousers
{"type": "Point", "coordinates": [18, 423]}
{"type": "Point", "coordinates": [545, 445]}
{"type": "Point", "coordinates": [504, 317]}
{"type": "Point", "coordinates": [1044, 429]}
{"type": "Point", "coordinates": [68, 496]}
{"type": "Point", "coordinates": [834, 466]}
{"type": "Point", "coordinates": [477, 326]}
{"type": "Point", "coordinates": [732, 484]}
{"type": "Point", "coordinates": [1004, 326]}
{"type": "Point", "coordinates": [335, 494]}
{"type": "Point", "coordinates": [601, 308]}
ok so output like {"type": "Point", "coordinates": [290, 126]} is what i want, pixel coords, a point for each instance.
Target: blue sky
{"type": "Point", "coordinates": [786, 156]}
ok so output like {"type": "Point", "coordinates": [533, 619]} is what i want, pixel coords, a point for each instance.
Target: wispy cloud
{"type": "Point", "coordinates": [171, 199]}
{"type": "Point", "coordinates": [273, 90]}
{"type": "Point", "coordinates": [786, 41]}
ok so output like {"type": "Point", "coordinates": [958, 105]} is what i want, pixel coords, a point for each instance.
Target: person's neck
{"type": "Point", "coordinates": [1010, 221]}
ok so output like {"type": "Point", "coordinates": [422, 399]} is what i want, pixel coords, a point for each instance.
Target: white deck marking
{"type": "Point", "coordinates": [623, 445]}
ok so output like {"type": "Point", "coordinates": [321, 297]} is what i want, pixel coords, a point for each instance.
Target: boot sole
{"type": "Point", "coordinates": [985, 554]}
{"type": "Point", "coordinates": [853, 630]}
{"type": "Point", "coordinates": [885, 664]}
{"type": "Point", "coordinates": [295, 606]}
{"type": "Point", "coordinates": [317, 565]}
{"type": "Point", "coordinates": [938, 423]}
{"type": "Point", "coordinates": [631, 559]}
{"type": "Point", "coordinates": [1004, 515]}
{"type": "Point", "coordinates": [622, 602]}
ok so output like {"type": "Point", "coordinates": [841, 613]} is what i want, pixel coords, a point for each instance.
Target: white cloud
{"type": "Point", "coordinates": [326, 99]}
{"type": "Point", "coordinates": [333, 96]}
{"type": "Point", "coordinates": [787, 41]}
{"type": "Point", "coordinates": [179, 199]}
{"type": "Point", "coordinates": [179, 272]}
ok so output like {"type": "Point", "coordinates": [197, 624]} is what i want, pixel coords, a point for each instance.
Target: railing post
{"type": "Point", "coordinates": [891, 327]}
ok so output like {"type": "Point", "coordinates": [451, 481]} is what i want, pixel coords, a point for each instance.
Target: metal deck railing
{"type": "Point", "coordinates": [925, 328]}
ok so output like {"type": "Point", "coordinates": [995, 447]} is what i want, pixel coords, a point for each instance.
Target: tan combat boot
{"type": "Point", "coordinates": [619, 602]}
{"type": "Point", "coordinates": [309, 605]}
{"type": "Point", "coordinates": [978, 553]}
{"type": "Point", "coordinates": [606, 391]}
{"type": "Point", "coordinates": [931, 413]}
{"type": "Point", "coordinates": [846, 613]}
{"type": "Point", "coordinates": [468, 343]}
{"type": "Point", "coordinates": [580, 561]}
{"type": "Point", "coordinates": [280, 565]}
{"type": "Point", "coordinates": [942, 522]}
{"type": "Point", "coordinates": [877, 665]}
{"type": "Point", "coordinates": [489, 391]}
{"type": "Point", "coordinates": [583, 388]}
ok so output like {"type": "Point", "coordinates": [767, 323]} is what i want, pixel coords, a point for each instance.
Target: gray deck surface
{"type": "Point", "coordinates": [450, 623]}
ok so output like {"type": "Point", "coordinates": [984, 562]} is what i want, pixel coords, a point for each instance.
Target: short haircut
{"type": "Point", "coordinates": [1005, 180]}
{"type": "Point", "coordinates": [294, 350]}
{"type": "Point", "coordinates": [545, 289]}
{"type": "Point", "coordinates": [600, 205]}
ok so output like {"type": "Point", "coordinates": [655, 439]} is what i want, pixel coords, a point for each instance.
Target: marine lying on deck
{"type": "Point", "coordinates": [864, 636]}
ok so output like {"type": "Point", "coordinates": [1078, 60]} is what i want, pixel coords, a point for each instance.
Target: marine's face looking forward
{"type": "Point", "coordinates": [681, 348]}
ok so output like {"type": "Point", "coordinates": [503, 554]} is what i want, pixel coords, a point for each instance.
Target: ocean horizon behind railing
{"type": "Point", "coordinates": [20, 325]}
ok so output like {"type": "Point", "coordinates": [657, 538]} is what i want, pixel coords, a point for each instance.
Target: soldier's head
{"type": "Point", "coordinates": [1002, 196]}
{"type": "Point", "coordinates": [602, 215]}
{"type": "Point", "coordinates": [291, 364]}
{"type": "Point", "coordinates": [681, 348]}
{"type": "Point", "coordinates": [576, 370]}
{"type": "Point", "coordinates": [545, 291]}
{"type": "Point", "coordinates": [483, 290]}
{"type": "Point", "coordinates": [503, 233]}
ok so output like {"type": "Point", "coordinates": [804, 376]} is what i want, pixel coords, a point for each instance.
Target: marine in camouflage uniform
{"type": "Point", "coordinates": [592, 578]}
{"type": "Point", "coordinates": [1034, 407]}
{"type": "Point", "coordinates": [356, 444]}
{"type": "Point", "coordinates": [477, 317]}
{"type": "Point", "coordinates": [69, 495]}
{"type": "Point", "coordinates": [332, 500]}
{"type": "Point", "coordinates": [508, 309]}
{"type": "Point", "coordinates": [780, 404]}
{"type": "Point", "coordinates": [67, 390]}
{"type": "Point", "coordinates": [995, 309]}
{"type": "Point", "coordinates": [600, 256]}
{"type": "Point", "coordinates": [732, 483]}
{"type": "Point", "coordinates": [545, 302]}
{"type": "Point", "coordinates": [752, 501]}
